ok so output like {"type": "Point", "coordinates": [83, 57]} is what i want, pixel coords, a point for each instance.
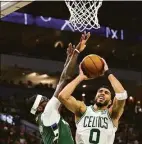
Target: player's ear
{"type": "Point", "coordinates": [110, 102]}
{"type": "Point", "coordinates": [40, 109]}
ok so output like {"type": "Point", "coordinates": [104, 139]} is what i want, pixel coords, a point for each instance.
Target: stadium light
{"type": "Point", "coordinates": [84, 86]}
{"type": "Point", "coordinates": [44, 76]}
{"type": "Point", "coordinates": [32, 74]}
{"type": "Point", "coordinates": [140, 109]}
{"type": "Point", "coordinates": [130, 98]}
{"type": "Point", "coordinates": [83, 94]}
{"type": "Point", "coordinates": [138, 102]}
{"type": "Point", "coordinates": [59, 44]}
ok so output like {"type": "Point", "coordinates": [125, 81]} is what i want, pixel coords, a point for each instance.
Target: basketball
{"type": "Point", "coordinates": [92, 66]}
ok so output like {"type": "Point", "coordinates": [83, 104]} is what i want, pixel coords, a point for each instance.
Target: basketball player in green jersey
{"type": "Point", "coordinates": [96, 124]}
{"type": "Point", "coordinates": [53, 128]}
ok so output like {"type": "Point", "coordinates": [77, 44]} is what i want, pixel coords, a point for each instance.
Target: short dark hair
{"type": "Point", "coordinates": [110, 89]}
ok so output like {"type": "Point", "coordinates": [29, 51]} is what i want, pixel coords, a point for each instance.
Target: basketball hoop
{"type": "Point", "coordinates": [83, 14]}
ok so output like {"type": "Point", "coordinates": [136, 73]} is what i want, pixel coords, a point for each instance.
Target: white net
{"type": "Point", "coordinates": [83, 14]}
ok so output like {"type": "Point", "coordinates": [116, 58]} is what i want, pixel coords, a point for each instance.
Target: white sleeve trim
{"type": "Point", "coordinates": [53, 104]}
{"type": "Point", "coordinates": [51, 114]}
{"type": "Point", "coordinates": [121, 96]}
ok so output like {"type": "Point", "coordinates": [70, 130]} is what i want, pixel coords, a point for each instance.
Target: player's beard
{"type": "Point", "coordinates": [100, 105]}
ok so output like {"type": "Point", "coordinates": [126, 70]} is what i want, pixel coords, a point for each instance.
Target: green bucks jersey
{"type": "Point", "coordinates": [53, 129]}
{"type": "Point", "coordinates": [48, 135]}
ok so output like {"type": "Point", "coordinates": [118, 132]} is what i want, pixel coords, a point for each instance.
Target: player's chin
{"type": "Point", "coordinates": [100, 103]}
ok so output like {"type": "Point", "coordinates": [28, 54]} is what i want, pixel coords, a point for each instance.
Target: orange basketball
{"type": "Point", "coordinates": [92, 66]}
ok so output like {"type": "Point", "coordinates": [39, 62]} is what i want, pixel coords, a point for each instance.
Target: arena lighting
{"type": "Point", "coordinates": [10, 6]}
{"type": "Point", "coordinates": [59, 43]}
{"type": "Point", "coordinates": [131, 98]}
{"type": "Point", "coordinates": [138, 102]}
{"type": "Point", "coordinates": [133, 54]}
{"type": "Point", "coordinates": [48, 81]}
{"type": "Point", "coordinates": [23, 73]}
{"type": "Point", "coordinates": [140, 109]}
{"type": "Point", "coordinates": [113, 51]}
{"type": "Point", "coordinates": [98, 45]}
{"type": "Point", "coordinates": [44, 76]}
{"type": "Point", "coordinates": [83, 94]}
{"type": "Point", "coordinates": [32, 74]}
{"type": "Point", "coordinates": [84, 86]}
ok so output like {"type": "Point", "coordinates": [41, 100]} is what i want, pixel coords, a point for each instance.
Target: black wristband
{"type": "Point", "coordinates": [107, 73]}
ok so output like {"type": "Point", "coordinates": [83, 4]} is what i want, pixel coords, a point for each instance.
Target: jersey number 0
{"type": "Point", "coordinates": [91, 138]}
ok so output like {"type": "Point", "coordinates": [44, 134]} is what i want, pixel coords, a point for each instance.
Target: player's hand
{"type": "Point", "coordinates": [105, 66]}
{"type": "Point", "coordinates": [70, 49]}
{"type": "Point", "coordinates": [82, 44]}
{"type": "Point", "coordinates": [81, 74]}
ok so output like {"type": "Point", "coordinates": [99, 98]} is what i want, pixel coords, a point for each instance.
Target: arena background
{"type": "Point", "coordinates": [33, 42]}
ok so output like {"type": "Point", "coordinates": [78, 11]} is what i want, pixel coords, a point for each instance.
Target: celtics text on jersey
{"type": "Point", "coordinates": [95, 127]}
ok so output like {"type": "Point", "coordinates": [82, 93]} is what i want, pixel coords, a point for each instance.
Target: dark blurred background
{"type": "Point", "coordinates": [32, 59]}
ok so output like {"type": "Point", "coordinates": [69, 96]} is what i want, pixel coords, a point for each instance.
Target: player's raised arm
{"type": "Point", "coordinates": [54, 103]}
{"type": "Point", "coordinates": [69, 101]}
{"type": "Point", "coordinates": [117, 108]}
{"type": "Point", "coordinates": [68, 71]}
{"type": "Point", "coordinates": [72, 55]}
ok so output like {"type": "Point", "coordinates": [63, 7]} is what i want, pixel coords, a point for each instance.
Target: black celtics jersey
{"type": "Point", "coordinates": [61, 130]}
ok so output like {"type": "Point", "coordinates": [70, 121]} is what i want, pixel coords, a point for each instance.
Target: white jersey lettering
{"type": "Point", "coordinates": [95, 127]}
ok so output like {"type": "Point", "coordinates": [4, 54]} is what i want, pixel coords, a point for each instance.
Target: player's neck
{"type": "Point", "coordinates": [99, 108]}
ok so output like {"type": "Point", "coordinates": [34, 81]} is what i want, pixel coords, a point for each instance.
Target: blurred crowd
{"type": "Point", "coordinates": [129, 131]}
{"type": "Point", "coordinates": [10, 134]}
{"type": "Point", "coordinates": [14, 134]}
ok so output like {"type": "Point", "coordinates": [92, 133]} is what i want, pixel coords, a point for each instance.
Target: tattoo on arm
{"type": "Point", "coordinates": [69, 68]}
{"type": "Point", "coordinates": [67, 60]}
{"type": "Point", "coordinates": [66, 74]}
{"type": "Point", "coordinates": [59, 88]}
